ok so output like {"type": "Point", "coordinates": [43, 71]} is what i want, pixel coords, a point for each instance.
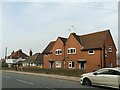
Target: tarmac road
{"type": "Point", "coordinates": [15, 80]}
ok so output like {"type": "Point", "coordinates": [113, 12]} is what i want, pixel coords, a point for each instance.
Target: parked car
{"type": "Point", "coordinates": [108, 77]}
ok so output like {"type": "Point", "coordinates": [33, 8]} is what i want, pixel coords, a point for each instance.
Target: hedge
{"type": "Point", "coordinates": [66, 72]}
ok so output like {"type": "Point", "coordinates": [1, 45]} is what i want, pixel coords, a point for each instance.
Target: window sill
{"type": "Point", "coordinates": [71, 53]}
{"type": "Point", "coordinates": [58, 54]}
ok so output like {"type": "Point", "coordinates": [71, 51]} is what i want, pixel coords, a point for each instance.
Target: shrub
{"type": "Point", "coordinates": [66, 72]}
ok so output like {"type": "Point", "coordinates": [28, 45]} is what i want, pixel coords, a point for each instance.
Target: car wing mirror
{"type": "Point", "coordinates": [95, 73]}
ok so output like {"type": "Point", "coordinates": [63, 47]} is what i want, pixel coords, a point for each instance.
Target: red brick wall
{"type": "Point", "coordinates": [46, 59]}
{"type": "Point", "coordinates": [111, 56]}
{"type": "Point", "coordinates": [73, 43]}
{"type": "Point", "coordinates": [93, 62]}
{"type": "Point", "coordinates": [58, 45]}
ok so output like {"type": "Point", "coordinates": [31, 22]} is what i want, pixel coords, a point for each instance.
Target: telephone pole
{"type": "Point", "coordinates": [5, 52]}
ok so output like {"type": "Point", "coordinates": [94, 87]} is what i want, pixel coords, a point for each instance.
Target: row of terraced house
{"type": "Point", "coordinates": [89, 52]}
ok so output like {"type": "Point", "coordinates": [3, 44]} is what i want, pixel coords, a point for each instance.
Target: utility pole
{"type": "Point", "coordinates": [5, 52]}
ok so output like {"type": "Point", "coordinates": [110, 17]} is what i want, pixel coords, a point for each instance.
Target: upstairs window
{"type": "Point", "coordinates": [71, 50]}
{"type": "Point", "coordinates": [110, 49]}
{"type": "Point", "coordinates": [91, 52]}
{"type": "Point", "coordinates": [59, 52]}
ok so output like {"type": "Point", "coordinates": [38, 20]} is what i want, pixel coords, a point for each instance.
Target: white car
{"type": "Point", "coordinates": [108, 77]}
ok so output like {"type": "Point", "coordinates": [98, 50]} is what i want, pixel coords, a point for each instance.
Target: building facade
{"type": "Point", "coordinates": [35, 60]}
{"type": "Point", "coordinates": [16, 57]}
{"type": "Point", "coordinates": [88, 52]}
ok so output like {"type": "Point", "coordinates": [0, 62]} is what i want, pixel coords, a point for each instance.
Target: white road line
{"type": "Point", "coordinates": [48, 87]}
{"type": "Point", "coordinates": [24, 81]}
{"type": "Point", "coordinates": [6, 76]}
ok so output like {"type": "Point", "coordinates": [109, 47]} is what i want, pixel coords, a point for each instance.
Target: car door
{"type": "Point", "coordinates": [99, 77]}
{"type": "Point", "coordinates": [113, 78]}
{"type": "Point", "coordinates": [108, 77]}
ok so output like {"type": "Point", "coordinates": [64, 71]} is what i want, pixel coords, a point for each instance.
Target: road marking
{"type": "Point", "coordinates": [48, 87]}
{"type": "Point", "coordinates": [24, 81]}
{"type": "Point", "coordinates": [6, 76]}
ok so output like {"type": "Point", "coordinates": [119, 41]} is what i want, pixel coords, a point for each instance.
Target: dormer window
{"type": "Point", "coordinates": [58, 52]}
{"type": "Point", "coordinates": [91, 52]}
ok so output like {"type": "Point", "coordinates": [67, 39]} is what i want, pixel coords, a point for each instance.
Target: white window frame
{"type": "Point", "coordinates": [70, 62]}
{"type": "Point", "coordinates": [80, 66]}
{"type": "Point", "coordinates": [58, 64]}
{"type": "Point", "coordinates": [111, 64]}
{"type": "Point", "coordinates": [91, 53]}
{"type": "Point", "coordinates": [58, 50]}
{"type": "Point", "coordinates": [105, 53]}
{"type": "Point", "coordinates": [69, 49]}
{"type": "Point", "coordinates": [110, 48]}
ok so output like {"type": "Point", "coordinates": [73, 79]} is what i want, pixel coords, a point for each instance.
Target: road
{"type": "Point", "coordinates": [14, 80]}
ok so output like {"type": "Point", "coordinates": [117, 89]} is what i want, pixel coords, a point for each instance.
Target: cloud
{"type": "Point", "coordinates": [59, 0]}
{"type": "Point", "coordinates": [34, 25]}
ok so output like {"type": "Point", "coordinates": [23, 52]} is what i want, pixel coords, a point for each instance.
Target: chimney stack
{"type": "Point", "coordinates": [30, 53]}
{"type": "Point", "coordinates": [12, 52]}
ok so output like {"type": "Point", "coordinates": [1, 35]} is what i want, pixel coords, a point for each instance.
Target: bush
{"type": "Point", "coordinates": [66, 72]}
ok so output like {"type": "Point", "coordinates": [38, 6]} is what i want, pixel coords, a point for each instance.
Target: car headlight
{"type": "Point", "coordinates": [81, 76]}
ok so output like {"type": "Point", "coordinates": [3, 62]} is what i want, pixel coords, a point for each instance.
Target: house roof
{"type": "Point", "coordinates": [63, 39]}
{"type": "Point", "coordinates": [87, 41]}
{"type": "Point", "coordinates": [77, 37]}
{"type": "Point", "coordinates": [36, 58]}
{"type": "Point", "coordinates": [93, 40]}
{"type": "Point", "coordinates": [48, 49]}
{"type": "Point", "coordinates": [17, 54]}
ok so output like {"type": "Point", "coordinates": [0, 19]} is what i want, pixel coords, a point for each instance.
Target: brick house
{"type": "Point", "coordinates": [34, 60]}
{"type": "Point", "coordinates": [58, 52]}
{"type": "Point", "coordinates": [88, 52]}
{"type": "Point", "coordinates": [47, 56]}
{"type": "Point", "coordinates": [15, 57]}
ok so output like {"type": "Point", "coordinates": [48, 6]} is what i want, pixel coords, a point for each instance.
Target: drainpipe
{"type": "Point", "coordinates": [64, 57]}
{"type": "Point", "coordinates": [100, 58]}
{"type": "Point", "coordinates": [104, 56]}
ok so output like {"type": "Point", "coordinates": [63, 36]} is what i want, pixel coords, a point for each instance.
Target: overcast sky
{"type": "Point", "coordinates": [32, 25]}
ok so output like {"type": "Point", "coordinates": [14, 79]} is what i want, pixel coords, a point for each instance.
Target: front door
{"type": "Point", "coordinates": [51, 64]}
{"type": "Point", "coordinates": [82, 65]}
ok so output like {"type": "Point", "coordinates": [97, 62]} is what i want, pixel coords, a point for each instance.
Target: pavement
{"type": "Point", "coordinates": [70, 78]}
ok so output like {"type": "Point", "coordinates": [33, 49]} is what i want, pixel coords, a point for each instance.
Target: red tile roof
{"type": "Point", "coordinates": [18, 54]}
{"type": "Point", "coordinates": [48, 49]}
{"type": "Point", "coordinates": [88, 41]}
{"type": "Point", "coordinates": [36, 58]}
{"type": "Point", "coordinates": [93, 40]}
{"type": "Point", "coordinates": [63, 39]}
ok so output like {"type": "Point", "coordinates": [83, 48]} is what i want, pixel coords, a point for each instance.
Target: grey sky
{"type": "Point", "coordinates": [32, 25]}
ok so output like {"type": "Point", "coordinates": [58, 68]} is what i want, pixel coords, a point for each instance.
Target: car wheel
{"type": "Point", "coordinates": [87, 82]}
